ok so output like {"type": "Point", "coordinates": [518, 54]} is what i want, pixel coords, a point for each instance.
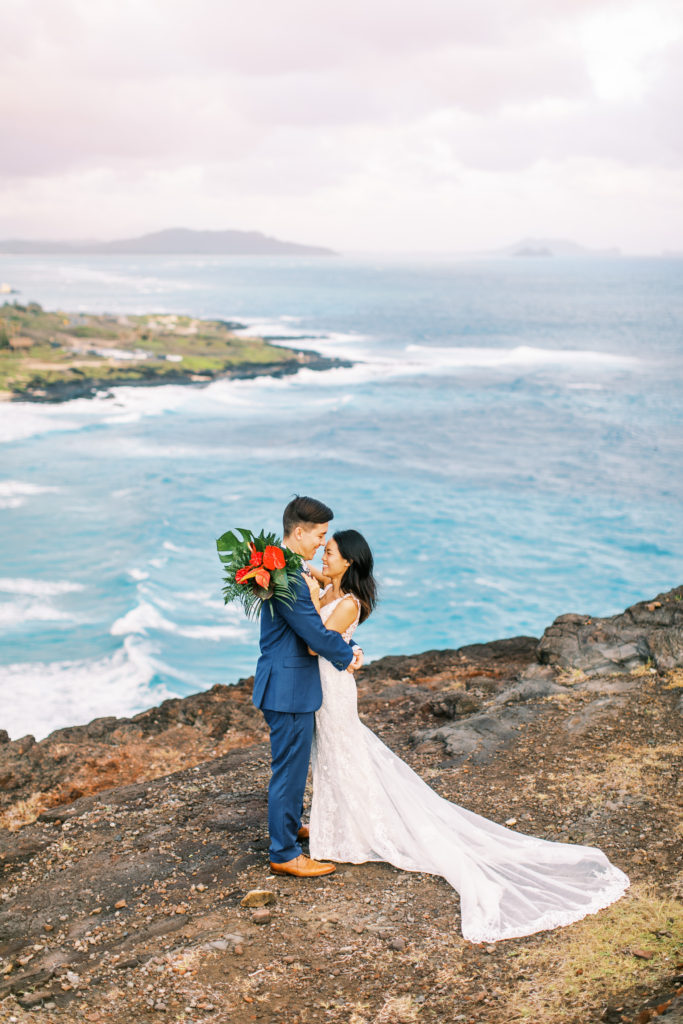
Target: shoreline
{"type": "Point", "coordinates": [54, 356]}
{"type": "Point", "coordinates": [63, 391]}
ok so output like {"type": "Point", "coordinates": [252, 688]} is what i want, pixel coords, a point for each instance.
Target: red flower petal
{"type": "Point", "coordinates": [274, 557]}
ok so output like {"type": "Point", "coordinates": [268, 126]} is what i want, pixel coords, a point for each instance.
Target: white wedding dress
{"type": "Point", "coordinates": [368, 805]}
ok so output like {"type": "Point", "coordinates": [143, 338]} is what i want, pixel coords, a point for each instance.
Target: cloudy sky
{"type": "Point", "coordinates": [376, 125]}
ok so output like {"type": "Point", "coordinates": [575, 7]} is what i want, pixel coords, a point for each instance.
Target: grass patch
{"type": "Point", "coordinates": [592, 962]}
{"type": "Point", "coordinates": [633, 770]}
{"type": "Point", "coordinates": [62, 341]}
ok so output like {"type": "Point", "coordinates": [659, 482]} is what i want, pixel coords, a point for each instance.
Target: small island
{"type": "Point", "coordinates": [55, 356]}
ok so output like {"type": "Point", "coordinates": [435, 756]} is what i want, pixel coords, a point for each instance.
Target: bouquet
{"type": "Point", "coordinates": [257, 568]}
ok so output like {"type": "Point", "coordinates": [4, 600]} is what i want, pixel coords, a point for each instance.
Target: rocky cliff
{"type": "Point", "coordinates": [132, 848]}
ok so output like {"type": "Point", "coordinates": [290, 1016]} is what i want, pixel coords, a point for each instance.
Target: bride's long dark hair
{"type": "Point", "coordinates": [358, 578]}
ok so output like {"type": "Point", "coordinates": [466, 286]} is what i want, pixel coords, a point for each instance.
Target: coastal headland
{"type": "Point", "coordinates": [55, 356]}
{"type": "Point", "coordinates": [134, 851]}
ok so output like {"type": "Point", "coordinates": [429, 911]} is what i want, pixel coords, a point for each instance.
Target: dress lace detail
{"type": "Point", "coordinates": [369, 805]}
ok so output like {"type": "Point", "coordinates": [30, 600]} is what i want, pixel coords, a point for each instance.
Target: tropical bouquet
{"type": "Point", "coordinates": [257, 568]}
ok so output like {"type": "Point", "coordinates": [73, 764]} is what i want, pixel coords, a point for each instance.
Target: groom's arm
{"type": "Point", "coordinates": [306, 623]}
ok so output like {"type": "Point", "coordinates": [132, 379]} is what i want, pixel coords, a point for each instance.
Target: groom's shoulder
{"type": "Point", "coordinates": [299, 593]}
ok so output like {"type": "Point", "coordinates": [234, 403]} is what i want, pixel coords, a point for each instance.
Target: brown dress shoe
{"type": "Point", "coordinates": [302, 867]}
{"type": "Point", "coordinates": [303, 833]}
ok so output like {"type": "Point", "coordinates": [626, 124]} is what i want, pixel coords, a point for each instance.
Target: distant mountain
{"type": "Point", "coordinates": [173, 241]}
{"type": "Point", "coordinates": [544, 247]}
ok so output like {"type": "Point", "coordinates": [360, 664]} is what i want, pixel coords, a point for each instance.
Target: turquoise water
{"type": "Point", "coordinates": [509, 440]}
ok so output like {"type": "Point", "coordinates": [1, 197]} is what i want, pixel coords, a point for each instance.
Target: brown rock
{"type": "Point", "coordinates": [258, 898]}
{"type": "Point", "coordinates": [261, 916]}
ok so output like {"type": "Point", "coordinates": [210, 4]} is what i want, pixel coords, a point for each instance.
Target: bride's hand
{"type": "Point", "coordinates": [314, 589]}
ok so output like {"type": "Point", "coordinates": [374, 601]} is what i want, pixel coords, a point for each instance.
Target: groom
{"type": "Point", "coordinates": [288, 692]}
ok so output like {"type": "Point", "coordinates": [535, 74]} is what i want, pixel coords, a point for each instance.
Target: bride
{"type": "Point", "coordinates": [368, 805]}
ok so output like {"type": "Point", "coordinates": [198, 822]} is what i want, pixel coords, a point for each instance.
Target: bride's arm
{"type": "Point", "coordinates": [342, 616]}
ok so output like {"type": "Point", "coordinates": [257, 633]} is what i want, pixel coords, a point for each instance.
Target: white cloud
{"type": "Point", "coordinates": [343, 124]}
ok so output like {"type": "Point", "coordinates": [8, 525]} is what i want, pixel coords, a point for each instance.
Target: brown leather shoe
{"type": "Point", "coordinates": [303, 833]}
{"type": "Point", "coordinates": [302, 867]}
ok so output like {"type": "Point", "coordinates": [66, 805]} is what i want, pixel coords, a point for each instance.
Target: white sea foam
{"type": "Point", "coordinates": [208, 599]}
{"type": "Point", "coordinates": [47, 696]}
{"type": "Point", "coordinates": [335, 343]}
{"type": "Point", "coordinates": [170, 546]}
{"type": "Point", "coordinates": [15, 493]}
{"type": "Point", "coordinates": [13, 613]}
{"type": "Point", "coordinates": [211, 632]}
{"type": "Point", "coordinates": [39, 588]}
{"type": "Point", "coordinates": [521, 355]}
{"type": "Point", "coordinates": [145, 617]}
{"type": "Point", "coordinates": [20, 420]}
{"type": "Point", "coordinates": [24, 419]}
{"type": "Point", "coordinates": [482, 581]}
{"type": "Point", "coordinates": [141, 618]}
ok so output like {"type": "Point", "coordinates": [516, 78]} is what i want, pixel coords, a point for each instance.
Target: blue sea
{"type": "Point", "coordinates": [509, 440]}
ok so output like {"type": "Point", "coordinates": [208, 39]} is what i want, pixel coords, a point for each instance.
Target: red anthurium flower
{"type": "Point", "coordinates": [256, 556]}
{"type": "Point", "coordinates": [262, 578]}
{"type": "Point", "coordinates": [273, 558]}
{"type": "Point", "coordinates": [245, 574]}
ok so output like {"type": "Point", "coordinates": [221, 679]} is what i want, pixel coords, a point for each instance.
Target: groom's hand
{"type": "Point", "coordinates": [357, 660]}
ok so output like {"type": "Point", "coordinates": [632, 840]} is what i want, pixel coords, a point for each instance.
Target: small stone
{"type": "Point", "coordinates": [239, 950]}
{"type": "Point", "coordinates": [258, 898]}
{"type": "Point", "coordinates": [288, 959]}
{"type": "Point", "coordinates": [120, 904]}
{"type": "Point", "coordinates": [123, 965]}
{"type": "Point", "coordinates": [261, 916]}
{"type": "Point", "coordinates": [398, 944]}
{"type": "Point", "coordinates": [73, 979]}
{"type": "Point", "coordinates": [31, 999]}
{"type": "Point", "coordinates": [201, 887]}
{"type": "Point", "coordinates": [643, 954]}
{"type": "Point", "coordinates": [511, 821]}
{"type": "Point", "coordinates": [48, 928]}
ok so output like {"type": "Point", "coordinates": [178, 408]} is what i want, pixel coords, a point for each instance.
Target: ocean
{"type": "Point", "coordinates": [509, 440]}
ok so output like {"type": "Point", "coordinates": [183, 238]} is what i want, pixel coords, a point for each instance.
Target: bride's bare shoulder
{"type": "Point", "coordinates": [343, 615]}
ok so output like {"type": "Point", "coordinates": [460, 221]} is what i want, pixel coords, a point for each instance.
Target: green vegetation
{"type": "Point", "coordinates": [57, 354]}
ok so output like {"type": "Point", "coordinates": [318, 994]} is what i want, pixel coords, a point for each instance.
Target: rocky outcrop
{"type": "Point", "coordinates": [650, 631]}
{"type": "Point", "coordinates": [138, 899]}
{"type": "Point", "coordinates": [81, 760]}
{"type": "Point", "coordinates": [478, 737]}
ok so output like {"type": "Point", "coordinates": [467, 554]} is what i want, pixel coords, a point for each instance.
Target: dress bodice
{"type": "Point", "coordinates": [326, 611]}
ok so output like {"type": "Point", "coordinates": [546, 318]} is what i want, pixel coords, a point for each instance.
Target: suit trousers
{"type": "Point", "coordinates": [291, 735]}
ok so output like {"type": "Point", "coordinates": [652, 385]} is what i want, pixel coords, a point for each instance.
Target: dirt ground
{"type": "Point", "coordinates": [126, 904]}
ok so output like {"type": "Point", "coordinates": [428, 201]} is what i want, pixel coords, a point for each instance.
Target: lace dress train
{"type": "Point", "coordinates": [369, 805]}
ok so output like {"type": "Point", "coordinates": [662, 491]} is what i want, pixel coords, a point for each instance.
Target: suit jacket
{"type": "Point", "coordinates": [287, 677]}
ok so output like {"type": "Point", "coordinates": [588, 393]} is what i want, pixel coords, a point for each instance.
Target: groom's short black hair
{"type": "Point", "coordinates": [302, 511]}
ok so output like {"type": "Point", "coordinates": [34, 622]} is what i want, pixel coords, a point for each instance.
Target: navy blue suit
{"type": "Point", "coordinates": [288, 692]}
